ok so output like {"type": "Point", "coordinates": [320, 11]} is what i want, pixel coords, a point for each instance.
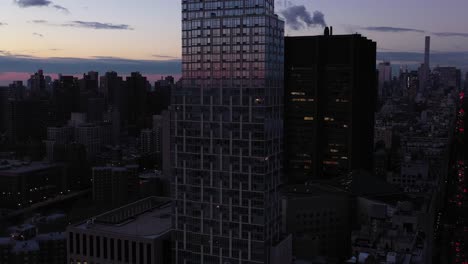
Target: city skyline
{"type": "Point", "coordinates": [42, 33]}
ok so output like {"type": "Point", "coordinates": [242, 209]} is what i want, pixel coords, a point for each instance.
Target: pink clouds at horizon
{"type": "Point", "coordinates": [8, 77]}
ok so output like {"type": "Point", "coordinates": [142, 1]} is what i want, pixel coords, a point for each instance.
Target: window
{"type": "Point", "coordinates": [104, 240]}
{"type": "Point", "coordinates": [98, 247]}
{"type": "Point", "coordinates": [71, 242]}
{"type": "Point", "coordinates": [112, 257]}
{"type": "Point", "coordinates": [134, 252]}
{"type": "Point", "coordinates": [78, 247]}
{"type": "Point", "coordinates": [91, 246]}
{"type": "Point", "coordinates": [126, 251]}
{"type": "Point", "coordinates": [119, 250]}
{"type": "Point", "coordinates": [148, 253]}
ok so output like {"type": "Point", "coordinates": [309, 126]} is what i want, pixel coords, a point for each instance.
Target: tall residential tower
{"type": "Point", "coordinates": [227, 133]}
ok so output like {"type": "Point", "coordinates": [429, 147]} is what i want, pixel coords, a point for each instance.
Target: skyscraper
{"type": "Point", "coordinates": [427, 51]}
{"type": "Point", "coordinates": [385, 77]}
{"type": "Point", "coordinates": [330, 84]}
{"type": "Point", "coordinates": [227, 133]}
{"type": "Point", "coordinates": [425, 69]}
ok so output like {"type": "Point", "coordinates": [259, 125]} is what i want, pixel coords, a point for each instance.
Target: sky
{"type": "Point", "coordinates": [75, 36]}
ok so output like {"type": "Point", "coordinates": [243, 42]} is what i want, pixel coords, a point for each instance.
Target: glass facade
{"type": "Point", "coordinates": [227, 132]}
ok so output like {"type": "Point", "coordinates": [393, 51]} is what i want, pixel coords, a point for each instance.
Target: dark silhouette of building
{"type": "Point", "coordinates": [162, 90]}
{"type": "Point", "coordinates": [27, 120]}
{"type": "Point", "coordinates": [110, 86]}
{"type": "Point", "coordinates": [17, 90]}
{"type": "Point", "coordinates": [37, 83]}
{"type": "Point", "coordinates": [66, 98]}
{"type": "Point", "coordinates": [466, 82]}
{"type": "Point", "coordinates": [331, 90]}
{"type": "Point", "coordinates": [4, 96]}
{"type": "Point", "coordinates": [227, 134]}
{"type": "Point", "coordinates": [137, 89]}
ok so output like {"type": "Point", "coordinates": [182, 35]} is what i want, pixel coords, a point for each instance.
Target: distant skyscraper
{"type": "Point", "coordinates": [137, 89]}
{"type": "Point", "coordinates": [427, 52]}
{"type": "Point", "coordinates": [227, 133]}
{"type": "Point", "coordinates": [66, 97]}
{"type": "Point", "coordinates": [425, 69]}
{"type": "Point", "coordinates": [330, 84]}
{"type": "Point", "coordinates": [385, 77]}
{"type": "Point", "coordinates": [37, 83]}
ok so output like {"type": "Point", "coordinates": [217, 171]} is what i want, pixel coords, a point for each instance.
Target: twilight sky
{"type": "Point", "coordinates": [74, 36]}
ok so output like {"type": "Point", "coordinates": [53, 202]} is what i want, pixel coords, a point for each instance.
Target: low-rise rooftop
{"type": "Point", "coordinates": [148, 218]}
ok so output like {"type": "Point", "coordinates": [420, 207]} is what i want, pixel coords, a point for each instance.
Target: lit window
{"type": "Point", "coordinates": [308, 118]}
{"type": "Point", "coordinates": [297, 93]}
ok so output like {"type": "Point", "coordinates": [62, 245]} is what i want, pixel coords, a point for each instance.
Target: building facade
{"type": "Point", "coordinates": [330, 84]}
{"type": "Point", "coordinates": [135, 233]}
{"type": "Point", "coordinates": [227, 133]}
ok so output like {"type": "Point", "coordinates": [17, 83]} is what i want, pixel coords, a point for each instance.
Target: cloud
{"type": "Point", "coordinates": [61, 8]}
{"type": "Point", "coordinates": [392, 29]}
{"type": "Point", "coordinates": [98, 25]}
{"type": "Point", "coordinates": [39, 3]}
{"type": "Point", "coordinates": [31, 3]}
{"type": "Point", "coordinates": [163, 56]}
{"type": "Point", "coordinates": [38, 35]}
{"type": "Point", "coordinates": [39, 21]}
{"type": "Point", "coordinates": [450, 34]}
{"type": "Point", "coordinates": [298, 17]}
{"type": "Point", "coordinates": [10, 62]}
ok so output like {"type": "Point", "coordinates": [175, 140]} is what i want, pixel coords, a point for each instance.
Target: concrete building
{"type": "Point", "coordinates": [136, 233]}
{"type": "Point", "coordinates": [27, 246]}
{"type": "Point", "coordinates": [162, 137]}
{"type": "Point", "coordinates": [319, 219]}
{"type": "Point", "coordinates": [89, 135]}
{"type": "Point", "coordinates": [149, 141]}
{"type": "Point", "coordinates": [449, 77]}
{"type": "Point", "coordinates": [393, 231]}
{"type": "Point", "coordinates": [114, 185]}
{"type": "Point", "coordinates": [25, 183]}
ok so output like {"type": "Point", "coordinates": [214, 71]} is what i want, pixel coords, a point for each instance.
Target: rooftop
{"type": "Point", "coordinates": [148, 218]}
{"type": "Point", "coordinates": [15, 167]}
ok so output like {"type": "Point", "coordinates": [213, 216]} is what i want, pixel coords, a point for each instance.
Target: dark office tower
{"type": "Point", "coordinates": [95, 109]}
{"type": "Point", "coordinates": [17, 90]}
{"type": "Point", "coordinates": [162, 93]}
{"type": "Point", "coordinates": [90, 83]}
{"type": "Point", "coordinates": [227, 133]}
{"type": "Point", "coordinates": [137, 89]}
{"type": "Point", "coordinates": [331, 88]}
{"type": "Point", "coordinates": [66, 98]}
{"type": "Point", "coordinates": [27, 120]}
{"type": "Point", "coordinates": [4, 96]}
{"type": "Point", "coordinates": [37, 83]}
{"type": "Point", "coordinates": [110, 86]}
